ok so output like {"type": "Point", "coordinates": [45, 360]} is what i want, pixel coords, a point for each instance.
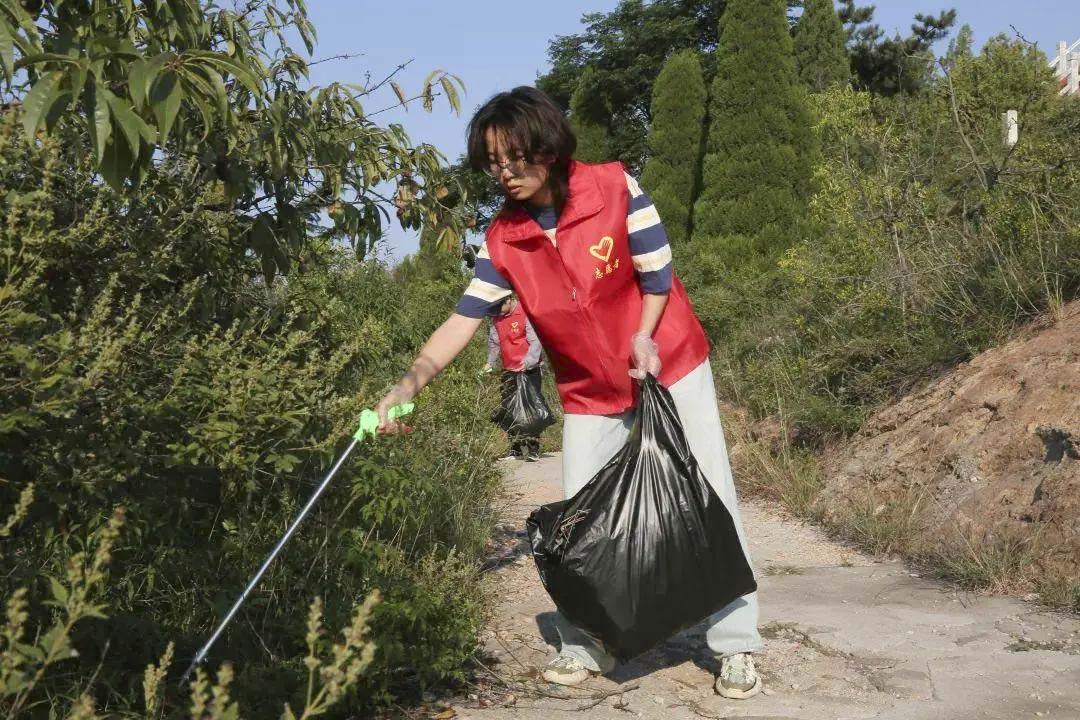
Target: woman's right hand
{"type": "Point", "coordinates": [646, 356]}
{"type": "Point", "coordinates": [442, 347]}
{"type": "Point", "coordinates": [395, 397]}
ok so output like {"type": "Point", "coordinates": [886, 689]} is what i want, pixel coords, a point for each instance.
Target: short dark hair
{"type": "Point", "coordinates": [533, 125]}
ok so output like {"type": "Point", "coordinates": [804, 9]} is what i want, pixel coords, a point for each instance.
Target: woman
{"type": "Point", "coordinates": [583, 249]}
{"type": "Point", "coordinates": [513, 340]}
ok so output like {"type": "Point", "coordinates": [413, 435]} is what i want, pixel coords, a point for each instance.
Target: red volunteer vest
{"type": "Point", "coordinates": [582, 294]}
{"type": "Point", "coordinates": [513, 344]}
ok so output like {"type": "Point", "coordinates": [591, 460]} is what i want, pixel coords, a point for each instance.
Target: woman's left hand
{"type": "Point", "coordinates": [646, 356]}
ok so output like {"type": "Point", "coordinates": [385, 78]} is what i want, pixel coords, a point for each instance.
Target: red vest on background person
{"type": "Point", "coordinates": [583, 298]}
{"type": "Point", "coordinates": [513, 345]}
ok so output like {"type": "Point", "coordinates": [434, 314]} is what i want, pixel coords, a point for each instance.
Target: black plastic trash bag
{"type": "Point", "coordinates": [523, 410]}
{"type": "Point", "coordinates": [646, 548]}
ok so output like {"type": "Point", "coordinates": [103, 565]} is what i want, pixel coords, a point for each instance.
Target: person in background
{"type": "Point", "coordinates": [512, 339]}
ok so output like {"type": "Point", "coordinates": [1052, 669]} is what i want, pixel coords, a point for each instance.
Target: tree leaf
{"type": "Point", "coordinates": [205, 111]}
{"type": "Point", "coordinates": [430, 79]}
{"type": "Point", "coordinates": [140, 75]}
{"type": "Point", "coordinates": [400, 94]}
{"type": "Point", "coordinates": [25, 20]}
{"type": "Point", "coordinates": [133, 126]}
{"type": "Point", "coordinates": [7, 51]}
{"type": "Point", "coordinates": [269, 268]}
{"type": "Point", "coordinates": [142, 166]}
{"type": "Point", "coordinates": [223, 62]}
{"type": "Point", "coordinates": [36, 58]}
{"type": "Point", "coordinates": [117, 164]}
{"type": "Point", "coordinates": [200, 92]}
{"type": "Point", "coordinates": [39, 100]}
{"type": "Point", "coordinates": [451, 93]}
{"type": "Point", "coordinates": [56, 111]}
{"type": "Point", "coordinates": [221, 95]}
{"type": "Point", "coordinates": [262, 236]}
{"type": "Point", "coordinates": [57, 640]}
{"type": "Point", "coordinates": [99, 122]}
{"type": "Point", "coordinates": [59, 592]}
{"type": "Point", "coordinates": [165, 95]}
{"type": "Point", "coordinates": [77, 82]}
{"type": "Point", "coordinates": [281, 259]}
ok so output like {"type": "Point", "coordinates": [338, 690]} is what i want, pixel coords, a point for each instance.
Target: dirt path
{"type": "Point", "coordinates": [846, 637]}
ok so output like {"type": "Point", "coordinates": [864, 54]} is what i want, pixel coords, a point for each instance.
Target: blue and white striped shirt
{"type": "Point", "coordinates": [649, 250]}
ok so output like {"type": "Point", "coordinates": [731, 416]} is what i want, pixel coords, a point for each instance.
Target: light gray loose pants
{"type": "Point", "coordinates": [589, 441]}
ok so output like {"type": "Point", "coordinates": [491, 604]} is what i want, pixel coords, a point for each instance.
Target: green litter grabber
{"type": "Point", "coordinates": [369, 423]}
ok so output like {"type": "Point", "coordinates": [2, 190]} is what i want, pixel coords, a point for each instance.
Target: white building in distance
{"type": "Point", "coordinates": [1067, 67]}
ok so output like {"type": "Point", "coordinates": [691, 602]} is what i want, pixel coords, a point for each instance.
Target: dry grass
{"type": "Point", "coordinates": [788, 476]}
{"type": "Point", "coordinates": [895, 521]}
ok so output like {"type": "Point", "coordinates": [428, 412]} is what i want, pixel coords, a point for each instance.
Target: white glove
{"type": "Point", "coordinates": [646, 356]}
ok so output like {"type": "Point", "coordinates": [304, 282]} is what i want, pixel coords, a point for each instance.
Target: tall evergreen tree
{"type": "Point", "coordinates": [821, 57]}
{"type": "Point", "coordinates": [588, 118]}
{"type": "Point", "coordinates": [673, 170]}
{"type": "Point", "coordinates": [960, 47]}
{"type": "Point", "coordinates": [756, 175]}
{"type": "Point", "coordinates": [628, 46]}
{"type": "Point", "coordinates": [896, 65]}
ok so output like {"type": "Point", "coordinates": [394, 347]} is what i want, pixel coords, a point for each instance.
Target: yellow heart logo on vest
{"type": "Point", "coordinates": [602, 250]}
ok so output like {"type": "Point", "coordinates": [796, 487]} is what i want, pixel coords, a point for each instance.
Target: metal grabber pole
{"type": "Point", "coordinates": [369, 421]}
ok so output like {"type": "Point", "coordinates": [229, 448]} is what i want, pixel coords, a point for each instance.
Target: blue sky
{"type": "Point", "coordinates": [494, 46]}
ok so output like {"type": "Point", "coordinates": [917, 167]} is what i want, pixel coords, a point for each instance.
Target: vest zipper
{"type": "Point", "coordinates": [586, 321]}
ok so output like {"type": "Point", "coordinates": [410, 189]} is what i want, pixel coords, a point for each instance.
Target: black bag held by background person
{"type": "Point", "coordinates": [523, 410]}
{"type": "Point", "coordinates": [646, 548]}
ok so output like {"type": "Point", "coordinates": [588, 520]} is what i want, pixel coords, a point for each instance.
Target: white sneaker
{"type": "Point", "coordinates": [565, 670]}
{"type": "Point", "coordinates": [739, 678]}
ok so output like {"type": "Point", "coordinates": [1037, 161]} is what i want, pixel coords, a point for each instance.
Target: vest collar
{"type": "Point", "coordinates": [585, 200]}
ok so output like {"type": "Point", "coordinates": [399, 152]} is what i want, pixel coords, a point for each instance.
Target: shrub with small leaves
{"type": "Point", "coordinates": [147, 362]}
{"type": "Point", "coordinates": [26, 657]}
{"type": "Point", "coordinates": [930, 241]}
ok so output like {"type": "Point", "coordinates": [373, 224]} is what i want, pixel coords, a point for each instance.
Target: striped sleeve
{"type": "Point", "coordinates": [649, 248]}
{"type": "Point", "coordinates": [487, 290]}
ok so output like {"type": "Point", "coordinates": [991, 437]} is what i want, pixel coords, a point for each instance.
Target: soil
{"type": "Point", "coordinates": [990, 452]}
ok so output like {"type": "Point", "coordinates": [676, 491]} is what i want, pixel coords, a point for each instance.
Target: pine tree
{"type": "Point", "coordinates": [820, 47]}
{"type": "Point", "coordinates": [960, 47]}
{"type": "Point", "coordinates": [671, 175]}
{"type": "Point", "coordinates": [756, 176]}
{"type": "Point", "coordinates": [891, 65]}
{"type": "Point", "coordinates": [587, 114]}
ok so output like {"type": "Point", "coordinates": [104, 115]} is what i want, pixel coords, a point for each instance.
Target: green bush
{"type": "Point", "coordinates": [147, 364]}
{"type": "Point", "coordinates": [929, 241]}
{"type": "Point", "coordinates": [190, 334]}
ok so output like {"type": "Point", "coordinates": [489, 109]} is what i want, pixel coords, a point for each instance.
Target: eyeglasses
{"type": "Point", "coordinates": [516, 166]}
